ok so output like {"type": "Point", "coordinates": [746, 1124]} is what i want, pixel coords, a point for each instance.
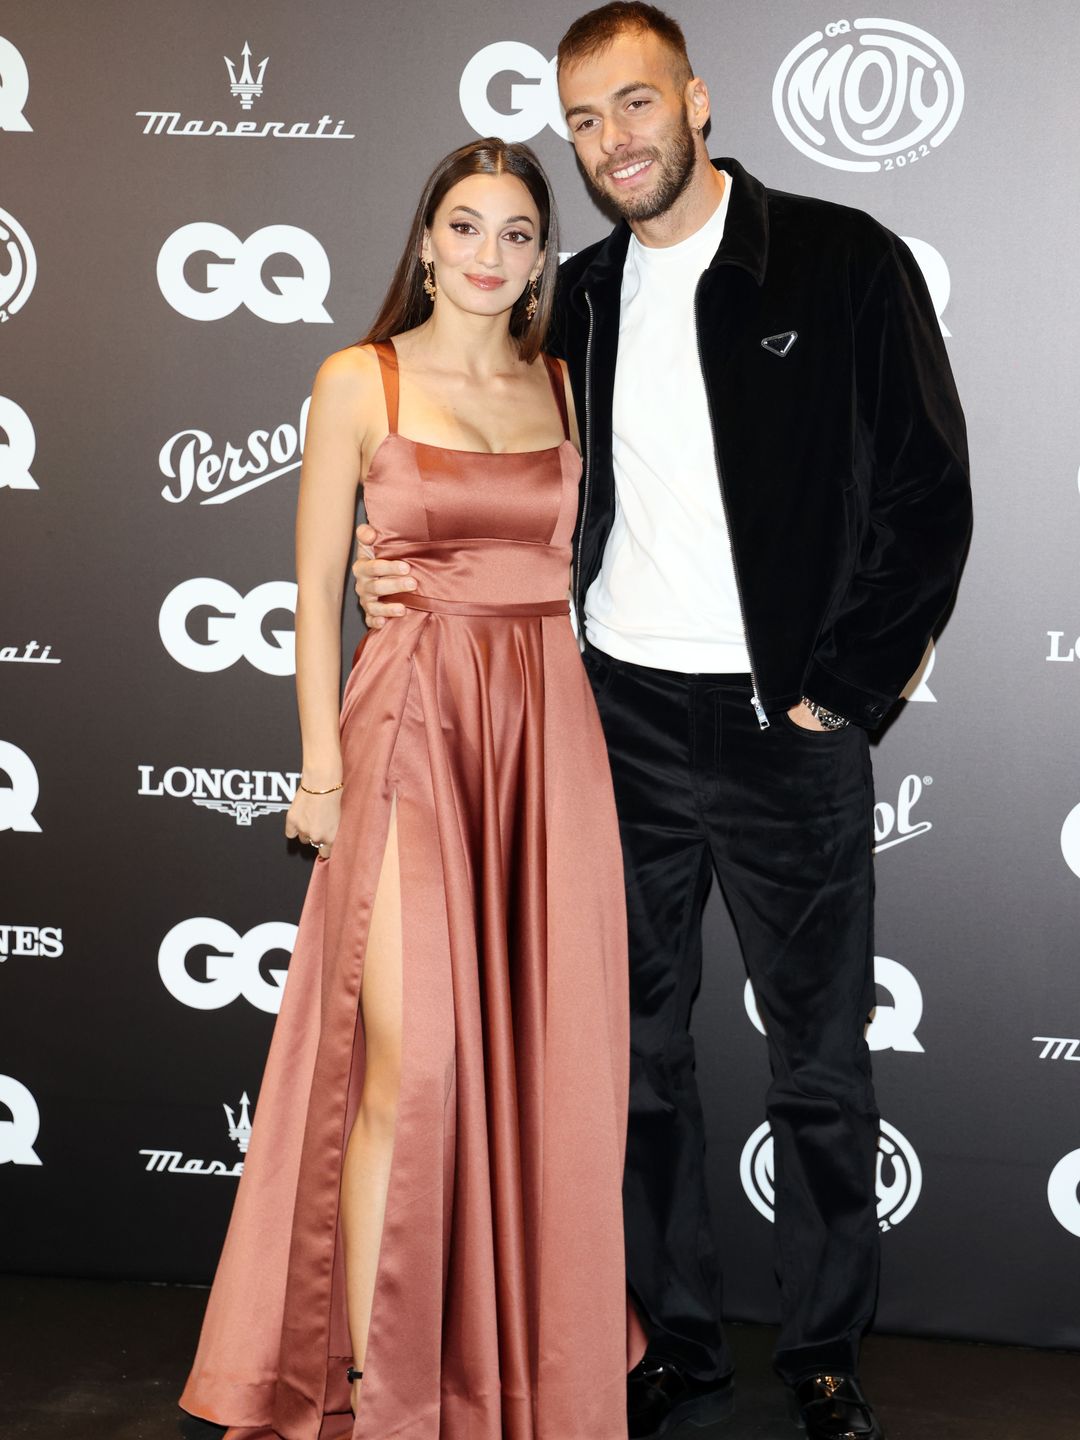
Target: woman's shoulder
{"type": "Point", "coordinates": [352, 373]}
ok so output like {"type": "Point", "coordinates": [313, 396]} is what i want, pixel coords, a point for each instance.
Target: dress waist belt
{"type": "Point", "coordinates": [414, 601]}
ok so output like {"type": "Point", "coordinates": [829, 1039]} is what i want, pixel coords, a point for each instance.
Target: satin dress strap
{"type": "Point", "coordinates": [391, 380]}
{"type": "Point", "coordinates": [555, 375]}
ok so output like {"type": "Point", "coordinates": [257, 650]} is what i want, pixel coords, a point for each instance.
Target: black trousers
{"type": "Point", "coordinates": [784, 817]}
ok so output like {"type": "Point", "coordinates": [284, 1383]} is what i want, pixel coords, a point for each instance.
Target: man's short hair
{"type": "Point", "coordinates": [594, 32]}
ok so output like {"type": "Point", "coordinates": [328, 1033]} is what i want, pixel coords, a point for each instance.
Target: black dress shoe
{"type": "Point", "coordinates": [833, 1407]}
{"type": "Point", "coordinates": [660, 1395]}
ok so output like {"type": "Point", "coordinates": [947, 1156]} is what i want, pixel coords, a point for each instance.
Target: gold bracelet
{"type": "Point", "coordinates": [338, 786]}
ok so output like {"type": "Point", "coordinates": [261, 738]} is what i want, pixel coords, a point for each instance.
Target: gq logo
{"type": "Point", "coordinates": [18, 1134]}
{"type": "Point", "coordinates": [233, 966]}
{"type": "Point", "coordinates": [18, 799]}
{"type": "Point", "coordinates": [533, 104]}
{"type": "Point", "coordinates": [918, 687]}
{"type": "Point", "coordinates": [234, 630]}
{"type": "Point", "coordinates": [1062, 1192]}
{"type": "Point", "coordinates": [936, 274]}
{"type": "Point", "coordinates": [868, 95]}
{"type": "Point", "coordinates": [893, 1026]}
{"type": "Point", "coordinates": [14, 88]}
{"type": "Point", "coordinates": [233, 274]}
{"type": "Point", "coordinates": [899, 1175]}
{"type": "Point", "coordinates": [17, 280]}
{"type": "Point", "coordinates": [1070, 840]}
{"type": "Point", "coordinates": [17, 451]}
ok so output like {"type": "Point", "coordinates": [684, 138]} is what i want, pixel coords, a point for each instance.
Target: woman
{"type": "Point", "coordinates": [428, 1231]}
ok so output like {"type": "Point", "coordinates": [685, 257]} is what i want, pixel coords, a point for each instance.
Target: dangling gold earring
{"type": "Point", "coordinates": [533, 301]}
{"type": "Point", "coordinates": [430, 288]}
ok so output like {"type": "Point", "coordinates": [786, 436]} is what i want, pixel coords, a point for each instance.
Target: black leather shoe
{"type": "Point", "coordinates": [660, 1395]}
{"type": "Point", "coordinates": [833, 1407]}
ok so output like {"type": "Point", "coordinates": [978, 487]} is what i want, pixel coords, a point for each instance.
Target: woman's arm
{"type": "Point", "coordinates": [345, 395]}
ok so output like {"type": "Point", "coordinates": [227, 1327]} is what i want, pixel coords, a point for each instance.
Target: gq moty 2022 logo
{"type": "Point", "coordinates": [868, 95]}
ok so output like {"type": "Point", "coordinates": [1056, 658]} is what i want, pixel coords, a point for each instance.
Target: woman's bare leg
{"type": "Point", "coordinates": [365, 1175]}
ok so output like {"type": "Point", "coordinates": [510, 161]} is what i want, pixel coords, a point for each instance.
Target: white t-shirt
{"type": "Point", "coordinates": [666, 594]}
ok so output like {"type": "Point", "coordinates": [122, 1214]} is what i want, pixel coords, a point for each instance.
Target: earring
{"type": "Point", "coordinates": [430, 288]}
{"type": "Point", "coordinates": [533, 301]}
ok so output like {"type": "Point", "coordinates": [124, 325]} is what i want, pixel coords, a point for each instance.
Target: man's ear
{"type": "Point", "coordinates": [698, 105]}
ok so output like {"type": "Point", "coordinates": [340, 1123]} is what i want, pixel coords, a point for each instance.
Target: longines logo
{"type": "Point", "coordinates": [1054, 1048]}
{"type": "Point", "coordinates": [17, 1135]}
{"type": "Point", "coordinates": [234, 627]}
{"type": "Point", "coordinates": [1063, 1192]}
{"type": "Point", "coordinates": [191, 460]}
{"type": "Point", "coordinates": [231, 965]}
{"type": "Point", "coordinates": [31, 940]}
{"type": "Point", "coordinates": [1071, 651]}
{"type": "Point", "coordinates": [533, 104]}
{"type": "Point", "coordinates": [899, 1175]}
{"type": "Point", "coordinates": [17, 281]}
{"type": "Point", "coordinates": [172, 1162]}
{"type": "Point", "coordinates": [1070, 840]}
{"type": "Point", "coordinates": [243, 794]}
{"type": "Point", "coordinates": [245, 86]}
{"type": "Point", "coordinates": [893, 824]}
{"type": "Point", "coordinates": [892, 1026]}
{"type": "Point", "coordinates": [32, 653]}
{"type": "Point", "coordinates": [868, 95]}
{"type": "Point", "coordinates": [20, 796]}
{"type": "Point", "coordinates": [14, 88]}
{"type": "Point", "coordinates": [231, 274]}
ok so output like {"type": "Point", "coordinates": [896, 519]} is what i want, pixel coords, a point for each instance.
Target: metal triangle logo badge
{"type": "Point", "coordinates": [780, 344]}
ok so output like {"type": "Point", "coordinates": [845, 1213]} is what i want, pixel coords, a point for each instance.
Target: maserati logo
{"type": "Point", "coordinates": [240, 1130]}
{"type": "Point", "coordinates": [248, 87]}
{"type": "Point", "coordinates": [245, 85]}
{"type": "Point", "coordinates": [172, 1162]}
{"type": "Point", "coordinates": [32, 653]}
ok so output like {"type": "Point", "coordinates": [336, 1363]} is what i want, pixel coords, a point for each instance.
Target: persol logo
{"type": "Point", "coordinates": [868, 95]}
{"type": "Point", "coordinates": [194, 465]}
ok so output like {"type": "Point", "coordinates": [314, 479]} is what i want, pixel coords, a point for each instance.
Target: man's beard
{"type": "Point", "coordinates": [675, 162]}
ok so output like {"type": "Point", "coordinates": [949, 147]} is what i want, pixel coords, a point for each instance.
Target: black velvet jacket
{"type": "Point", "coordinates": [843, 460]}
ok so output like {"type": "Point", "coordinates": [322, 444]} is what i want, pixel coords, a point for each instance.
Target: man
{"type": "Point", "coordinates": [773, 515]}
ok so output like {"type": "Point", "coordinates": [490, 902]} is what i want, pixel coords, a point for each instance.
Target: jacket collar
{"type": "Point", "coordinates": [745, 241]}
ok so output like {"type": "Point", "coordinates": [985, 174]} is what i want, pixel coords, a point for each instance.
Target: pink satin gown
{"type": "Point", "coordinates": [500, 1303]}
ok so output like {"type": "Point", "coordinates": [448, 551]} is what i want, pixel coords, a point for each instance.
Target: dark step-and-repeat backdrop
{"type": "Point", "coordinates": [197, 203]}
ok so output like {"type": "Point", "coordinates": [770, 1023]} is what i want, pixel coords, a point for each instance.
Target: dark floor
{"type": "Point", "coordinates": [82, 1360]}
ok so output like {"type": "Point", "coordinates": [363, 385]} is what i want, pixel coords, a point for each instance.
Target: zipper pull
{"type": "Point", "coordinates": [762, 718]}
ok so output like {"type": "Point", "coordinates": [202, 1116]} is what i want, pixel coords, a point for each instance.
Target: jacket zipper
{"type": "Point", "coordinates": [759, 711]}
{"type": "Point", "coordinates": [588, 470]}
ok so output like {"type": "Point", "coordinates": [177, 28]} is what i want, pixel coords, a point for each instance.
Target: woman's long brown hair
{"type": "Point", "coordinates": [406, 304]}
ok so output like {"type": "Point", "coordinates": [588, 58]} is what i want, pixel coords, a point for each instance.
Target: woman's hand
{"type": "Point", "coordinates": [375, 578]}
{"type": "Point", "coordinates": [314, 820]}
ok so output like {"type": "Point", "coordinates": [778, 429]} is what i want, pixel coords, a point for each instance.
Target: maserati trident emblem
{"type": "Point", "coordinates": [780, 344]}
{"type": "Point", "coordinates": [248, 87]}
{"type": "Point", "coordinates": [240, 1130]}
